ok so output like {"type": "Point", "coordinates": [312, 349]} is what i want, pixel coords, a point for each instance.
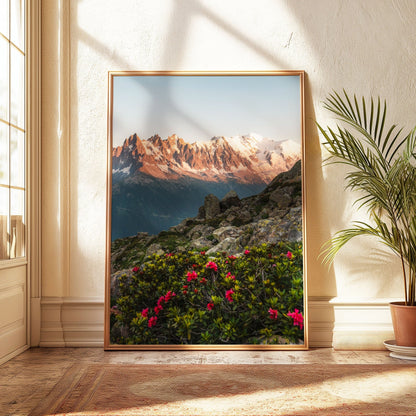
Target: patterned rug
{"type": "Point", "coordinates": [233, 390]}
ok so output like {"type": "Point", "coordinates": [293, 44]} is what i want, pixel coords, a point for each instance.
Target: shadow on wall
{"type": "Point", "coordinates": [318, 229]}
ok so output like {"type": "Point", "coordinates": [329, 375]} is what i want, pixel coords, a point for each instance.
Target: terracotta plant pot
{"type": "Point", "coordinates": [404, 323]}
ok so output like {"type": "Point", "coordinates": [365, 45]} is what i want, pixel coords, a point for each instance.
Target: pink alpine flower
{"type": "Point", "coordinates": [152, 321]}
{"type": "Point", "coordinates": [192, 276]}
{"type": "Point", "coordinates": [202, 253]}
{"type": "Point", "coordinates": [135, 269]}
{"type": "Point", "coordinates": [145, 312]}
{"type": "Point", "coordinates": [297, 318]}
{"type": "Point", "coordinates": [169, 254]}
{"type": "Point", "coordinates": [289, 255]}
{"type": "Point", "coordinates": [169, 295]}
{"type": "Point", "coordinates": [229, 295]}
{"type": "Point", "coordinates": [160, 301]}
{"type": "Point", "coordinates": [210, 306]}
{"type": "Point", "coordinates": [230, 276]}
{"type": "Point", "coordinates": [232, 257]}
{"type": "Point", "coordinates": [246, 252]}
{"type": "Point", "coordinates": [273, 313]}
{"type": "Point", "coordinates": [211, 265]}
{"type": "Point", "coordinates": [158, 309]}
{"type": "Point", "coordinates": [203, 280]}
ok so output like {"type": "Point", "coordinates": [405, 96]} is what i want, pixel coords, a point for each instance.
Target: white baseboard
{"type": "Point", "coordinates": [320, 321]}
{"type": "Point", "coordinates": [72, 322]}
{"type": "Point", "coordinates": [349, 324]}
{"type": "Point", "coordinates": [361, 324]}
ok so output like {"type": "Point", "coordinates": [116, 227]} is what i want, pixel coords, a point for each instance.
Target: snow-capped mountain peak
{"type": "Point", "coordinates": [247, 159]}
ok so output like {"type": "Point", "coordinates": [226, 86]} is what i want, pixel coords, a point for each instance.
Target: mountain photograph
{"type": "Point", "coordinates": [206, 229]}
{"type": "Point", "coordinates": [157, 183]}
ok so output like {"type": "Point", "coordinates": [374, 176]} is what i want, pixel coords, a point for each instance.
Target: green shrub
{"type": "Point", "coordinates": [193, 298]}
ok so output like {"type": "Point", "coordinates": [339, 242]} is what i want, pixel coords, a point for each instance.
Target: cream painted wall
{"type": "Point", "coordinates": [364, 46]}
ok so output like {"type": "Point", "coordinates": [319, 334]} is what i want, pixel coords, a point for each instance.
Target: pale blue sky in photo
{"type": "Point", "coordinates": [197, 108]}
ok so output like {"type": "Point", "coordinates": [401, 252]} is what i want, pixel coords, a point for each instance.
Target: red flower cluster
{"type": "Point", "coordinates": [246, 252]}
{"type": "Point", "coordinates": [273, 313]}
{"type": "Point", "coordinates": [164, 299]}
{"type": "Point", "coordinates": [230, 276]}
{"type": "Point", "coordinates": [210, 306]}
{"type": "Point", "coordinates": [297, 318]}
{"type": "Point", "coordinates": [232, 257]}
{"type": "Point", "coordinates": [159, 307]}
{"type": "Point", "coordinates": [145, 312]}
{"type": "Point", "coordinates": [289, 255]}
{"type": "Point", "coordinates": [135, 269]}
{"type": "Point", "coordinates": [229, 295]}
{"type": "Point", "coordinates": [192, 275]}
{"type": "Point", "coordinates": [169, 295]}
{"type": "Point", "coordinates": [212, 265]}
{"type": "Point", "coordinates": [152, 321]}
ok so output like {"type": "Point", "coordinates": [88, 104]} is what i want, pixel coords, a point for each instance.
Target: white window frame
{"type": "Point", "coordinates": [21, 260]}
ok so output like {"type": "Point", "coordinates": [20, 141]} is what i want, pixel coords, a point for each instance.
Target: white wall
{"type": "Point", "coordinates": [364, 46]}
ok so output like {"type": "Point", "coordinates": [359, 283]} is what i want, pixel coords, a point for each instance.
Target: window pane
{"type": "Point", "coordinates": [17, 88]}
{"type": "Point", "coordinates": [4, 17]}
{"type": "Point", "coordinates": [17, 223]}
{"type": "Point", "coordinates": [4, 79]}
{"type": "Point", "coordinates": [17, 158]}
{"type": "Point", "coordinates": [4, 232]}
{"type": "Point", "coordinates": [17, 23]}
{"type": "Point", "coordinates": [4, 154]}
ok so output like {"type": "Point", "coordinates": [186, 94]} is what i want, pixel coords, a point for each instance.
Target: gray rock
{"type": "Point", "coordinates": [282, 199]}
{"type": "Point", "coordinates": [200, 230]}
{"type": "Point", "coordinates": [230, 199]}
{"type": "Point", "coordinates": [115, 281]}
{"type": "Point", "coordinates": [201, 243]}
{"type": "Point", "coordinates": [201, 213]}
{"type": "Point", "coordinates": [211, 206]}
{"type": "Point", "coordinates": [244, 216]}
{"type": "Point", "coordinates": [183, 225]}
{"type": "Point", "coordinates": [229, 245]}
{"type": "Point", "coordinates": [295, 235]}
{"type": "Point", "coordinates": [225, 232]}
{"type": "Point", "coordinates": [154, 249]}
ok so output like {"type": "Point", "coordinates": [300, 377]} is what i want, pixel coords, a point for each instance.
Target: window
{"type": "Point", "coordinates": [12, 129]}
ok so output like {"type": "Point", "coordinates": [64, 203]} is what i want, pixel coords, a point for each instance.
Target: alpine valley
{"type": "Point", "coordinates": [157, 183]}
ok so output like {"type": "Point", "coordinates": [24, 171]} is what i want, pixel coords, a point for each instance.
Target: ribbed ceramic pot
{"type": "Point", "coordinates": [404, 323]}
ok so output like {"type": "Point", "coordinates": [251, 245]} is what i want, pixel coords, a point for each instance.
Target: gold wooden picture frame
{"type": "Point", "coordinates": [205, 211]}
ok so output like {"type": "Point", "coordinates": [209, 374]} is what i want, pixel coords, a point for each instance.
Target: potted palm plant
{"type": "Point", "coordinates": [382, 164]}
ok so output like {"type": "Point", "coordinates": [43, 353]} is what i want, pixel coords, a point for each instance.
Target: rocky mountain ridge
{"type": "Point", "coordinates": [229, 224]}
{"type": "Point", "coordinates": [245, 159]}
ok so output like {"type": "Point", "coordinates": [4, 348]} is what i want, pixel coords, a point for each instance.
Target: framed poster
{"type": "Point", "coordinates": [205, 240]}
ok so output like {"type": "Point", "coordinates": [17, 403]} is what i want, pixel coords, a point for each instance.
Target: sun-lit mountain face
{"type": "Point", "coordinates": [244, 159]}
{"type": "Point", "coordinates": [156, 182]}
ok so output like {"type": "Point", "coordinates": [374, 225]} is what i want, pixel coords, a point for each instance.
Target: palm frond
{"type": "Point", "coordinates": [383, 172]}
